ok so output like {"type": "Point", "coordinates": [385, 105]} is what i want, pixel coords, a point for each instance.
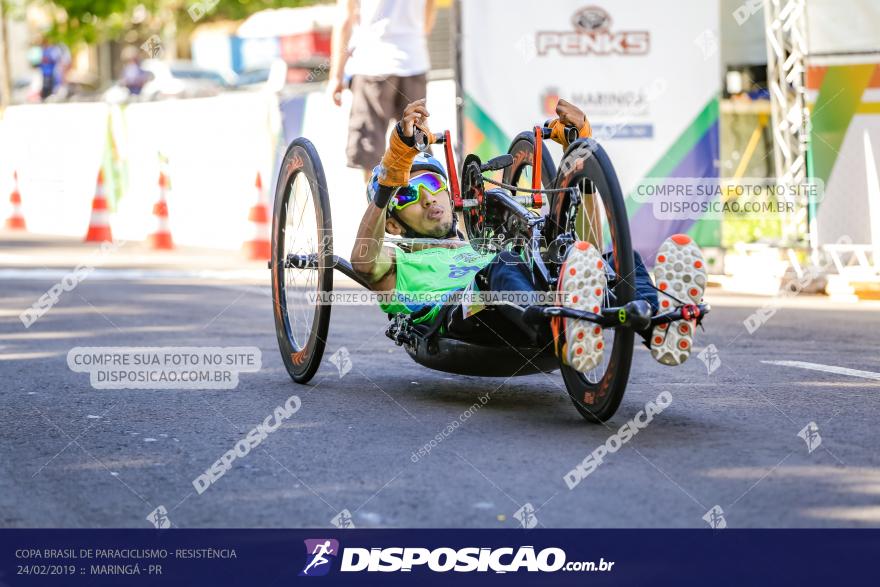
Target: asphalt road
{"type": "Point", "coordinates": [74, 456]}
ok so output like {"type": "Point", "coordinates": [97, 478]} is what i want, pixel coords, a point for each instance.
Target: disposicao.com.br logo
{"type": "Point", "coordinates": [320, 553]}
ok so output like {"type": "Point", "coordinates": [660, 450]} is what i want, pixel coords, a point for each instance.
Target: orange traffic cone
{"type": "Point", "coordinates": [16, 218]}
{"type": "Point", "coordinates": [258, 248]}
{"type": "Point", "coordinates": [161, 239]}
{"type": "Point", "coordinates": [99, 223]}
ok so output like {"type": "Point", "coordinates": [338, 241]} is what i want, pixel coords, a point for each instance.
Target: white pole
{"type": "Point", "coordinates": [5, 75]}
{"type": "Point", "coordinates": [873, 182]}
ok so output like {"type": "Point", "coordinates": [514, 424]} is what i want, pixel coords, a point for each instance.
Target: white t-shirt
{"type": "Point", "coordinates": [389, 39]}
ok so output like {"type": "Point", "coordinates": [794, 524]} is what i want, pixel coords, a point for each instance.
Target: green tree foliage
{"type": "Point", "coordinates": [96, 20]}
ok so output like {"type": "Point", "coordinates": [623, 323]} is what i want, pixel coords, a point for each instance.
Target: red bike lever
{"type": "Point", "coordinates": [453, 174]}
{"type": "Point", "coordinates": [537, 158]}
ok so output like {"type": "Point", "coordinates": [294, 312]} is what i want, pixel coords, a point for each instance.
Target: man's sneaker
{"type": "Point", "coordinates": [680, 275]}
{"type": "Point", "coordinates": [582, 279]}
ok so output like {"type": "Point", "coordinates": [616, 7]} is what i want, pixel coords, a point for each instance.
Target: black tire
{"type": "Point", "coordinates": [301, 225]}
{"type": "Point", "coordinates": [597, 394]}
{"type": "Point", "coordinates": [523, 148]}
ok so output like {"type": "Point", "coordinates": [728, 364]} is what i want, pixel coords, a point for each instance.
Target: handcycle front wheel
{"type": "Point", "coordinates": [522, 148]}
{"type": "Point", "coordinates": [302, 260]}
{"type": "Point", "coordinates": [600, 219]}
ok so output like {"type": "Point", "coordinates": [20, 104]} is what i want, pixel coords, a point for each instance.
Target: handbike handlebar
{"type": "Point", "coordinates": [422, 144]}
{"type": "Point", "coordinates": [571, 133]}
{"type": "Point", "coordinates": [421, 139]}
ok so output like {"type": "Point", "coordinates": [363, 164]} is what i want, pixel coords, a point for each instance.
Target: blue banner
{"type": "Point", "coordinates": [437, 557]}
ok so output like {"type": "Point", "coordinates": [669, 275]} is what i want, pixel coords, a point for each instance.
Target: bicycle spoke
{"type": "Point", "coordinates": [299, 239]}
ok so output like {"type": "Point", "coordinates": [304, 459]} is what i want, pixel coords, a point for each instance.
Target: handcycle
{"type": "Point", "coordinates": [535, 210]}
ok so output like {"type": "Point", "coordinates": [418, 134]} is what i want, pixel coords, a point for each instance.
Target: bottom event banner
{"type": "Point", "coordinates": [436, 557]}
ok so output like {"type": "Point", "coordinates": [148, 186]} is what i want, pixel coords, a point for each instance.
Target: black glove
{"type": "Point", "coordinates": [382, 194]}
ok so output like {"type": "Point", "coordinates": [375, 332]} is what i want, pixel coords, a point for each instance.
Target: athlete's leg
{"type": "Point", "coordinates": [644, 286]}
{"type": "Point", "coordinates": [507, 272]}
{"type": "Point", "coordinates": [645, 290]}
{"type": "Point", "coordinates": [579, 343]}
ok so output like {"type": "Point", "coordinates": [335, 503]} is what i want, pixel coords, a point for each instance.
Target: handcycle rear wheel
{"type": "Point", "coordinates": [603, 221]}
{"type": "Point", "coordinates": [301, 230]}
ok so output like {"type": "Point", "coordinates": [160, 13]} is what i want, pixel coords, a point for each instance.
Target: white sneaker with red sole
{"type": "Point", "coordinates": [582, 282]}
{"type": "Point", "coordinates": [680, 271]}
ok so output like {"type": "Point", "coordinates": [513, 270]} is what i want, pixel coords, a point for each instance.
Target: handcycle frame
{"type": "Point", "coordinates": [542, 241]}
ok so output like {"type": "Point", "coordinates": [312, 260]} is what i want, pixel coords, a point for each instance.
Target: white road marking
{"type": "Point", "coordinates": [826, 369]}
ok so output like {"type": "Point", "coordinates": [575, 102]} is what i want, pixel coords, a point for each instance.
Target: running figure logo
{"type": "Point", "coordinates": [526, 516]}
{"type": "Point", "coordinates": [320, 552]}
{"type": "Point", "coordinates": [810, 434]}
{"type": "Point", "coordinates": [159, 518]}
{"type": "Point", "coordinates": [715, 518]}
{"type": "Point", "coordinates": [709, 357]}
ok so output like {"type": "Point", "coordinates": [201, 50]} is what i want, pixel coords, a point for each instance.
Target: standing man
{"type": "Point", "coordinates": [388, 64]}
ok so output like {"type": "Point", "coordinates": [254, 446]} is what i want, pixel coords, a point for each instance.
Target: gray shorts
{"type": "Point", "coordinates": [377, 101]}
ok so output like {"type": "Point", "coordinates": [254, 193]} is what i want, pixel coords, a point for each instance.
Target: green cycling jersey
{"type": "Point", "coordinates": [427, 276]}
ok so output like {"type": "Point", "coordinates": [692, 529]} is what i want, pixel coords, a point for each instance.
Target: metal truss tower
{"type": "Point", "coordinates": [785, 24]}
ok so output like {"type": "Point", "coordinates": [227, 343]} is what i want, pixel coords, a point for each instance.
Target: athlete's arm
{"type": "Point", "coordinates": [368, 257]}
